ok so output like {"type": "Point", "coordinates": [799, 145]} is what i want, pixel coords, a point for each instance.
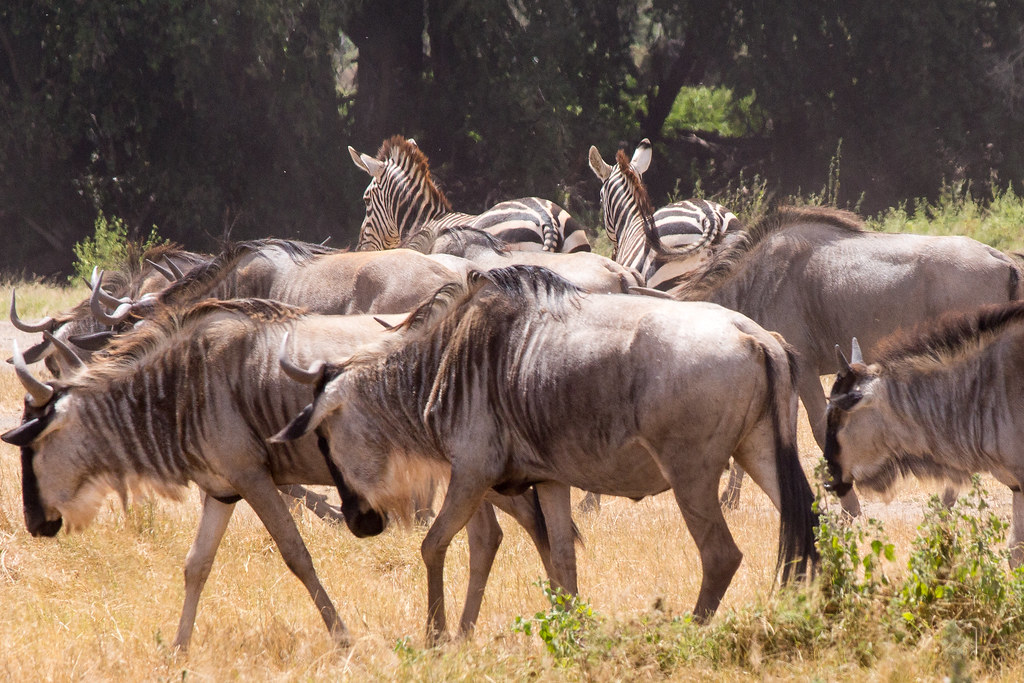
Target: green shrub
{"type": "Point", "coordinates": [109, 248]}
{"type": "Point", "coordinates": [563, 627]}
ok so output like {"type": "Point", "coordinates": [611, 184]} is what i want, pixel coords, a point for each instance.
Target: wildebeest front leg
{"type": "Point", "coordinates": [1017, 531]}
{"type": "Point", "coordinates": [199, 561]}
{"type": "Point", "coordinates": [261, 494]}
{"type": "Point", "coordinates": [461, 502]}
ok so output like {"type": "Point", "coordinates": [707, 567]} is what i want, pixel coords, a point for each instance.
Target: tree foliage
{"type": "Point", "coordinates": [210, 118]}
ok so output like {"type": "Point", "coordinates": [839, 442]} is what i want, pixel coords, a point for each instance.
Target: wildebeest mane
{"type": "Point", "coordinates": [950, 334]}
{"type": "Point", "coordinates": [127, 349]}
{"type": "Point", "coordinates": [723, 264]}
{"type": "Point", "coordinates": [414, 163]}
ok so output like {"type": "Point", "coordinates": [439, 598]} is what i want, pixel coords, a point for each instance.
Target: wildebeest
{"type": "Point", "coordinates": [402, 199]}
{"type": "Point", "coordinates": [941, 403]}
{"type": "Point", "coordinates": [818, 277]}
{"type": "Point", "coordinates": [463, 248]}
{"type": "Point", "coordinates": [319, 279]}
{"type": "Point", "coordinates": [517, 378]}
{"type": "Point", "coordinates": [191, 396]}
{"type": "Point", "coordinates": [142, 273]}
{"type": "Point", "coordinates": [664, 244]}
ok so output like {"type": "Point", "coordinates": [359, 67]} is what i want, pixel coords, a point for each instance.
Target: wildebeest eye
{"type": "Point", "coordinates": [845, 401]}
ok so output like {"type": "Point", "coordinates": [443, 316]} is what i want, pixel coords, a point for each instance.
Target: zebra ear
{"type": "Point", "coordinates": [641, 160]}
{"type": "Point", "coordinates": [367, 163]}
{"type": "Point", "coordinates": [598, 166]}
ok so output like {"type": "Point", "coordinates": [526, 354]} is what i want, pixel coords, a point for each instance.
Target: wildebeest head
{"type": "Point", "coordinates": [851, 430]}
{"type": "Point", "coordinates": [41, 418]}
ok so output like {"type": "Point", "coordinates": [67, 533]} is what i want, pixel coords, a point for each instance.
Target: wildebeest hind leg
{"type": "Point", "coordinates": [199, 561]}
{"type": "Point", "coordinates": [484, 538]}
{"type": "Point", "coordinates": [731, 495]}
{"type": "Point", "coordinates": [1017, 531]}
{"type": "Point", "coordinates": [556, 504]}
{"type": "Point", "coordinates": [696, 493]}
{"type": "Point", "coordinates": [261, 494]}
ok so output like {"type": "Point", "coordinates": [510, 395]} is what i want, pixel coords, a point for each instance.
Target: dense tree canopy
{"type": "Point", "coordinates": [211, 118]}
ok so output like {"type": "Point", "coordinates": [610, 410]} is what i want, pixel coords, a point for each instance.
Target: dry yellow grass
{"type": "Point", "coordinates": [104, 604]}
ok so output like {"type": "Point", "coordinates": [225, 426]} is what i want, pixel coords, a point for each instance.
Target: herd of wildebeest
{"type": "Point", "coordinates": [498, 354]}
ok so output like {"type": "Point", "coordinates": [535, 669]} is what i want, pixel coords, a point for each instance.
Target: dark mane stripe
{"type": "Point", "coordinates": [126, 349]}
{"type": "Point", "coordinates": [414, 163]}
{"type": "Point", "coordinates": [950, 333]}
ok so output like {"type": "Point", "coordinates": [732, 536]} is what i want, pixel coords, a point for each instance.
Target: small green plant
{"type": "Point", "coordinates": [562, 627]}
{"type": "Point", "coordinates": [109, 247]}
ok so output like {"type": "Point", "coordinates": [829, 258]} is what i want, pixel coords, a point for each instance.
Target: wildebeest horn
{"type": "Point", "coordinates": [325, 241]}
{"type": "Point", "coordinates": [40, 392]}
{"type": "Point", "coordinates": [46, 324]}
{"type": "Point", "coordinates": [173, 267]}
{"type": "Point", "coordinates": [302, 375]}
{"type": "Point", "coordinates": [384, 323]}
{"type": "Point", "coordinates": [66, 352]}
{"type": "Point", "coordinates": [844, 365]}
{"type": "Point", "coordinates": [160, 269]}
{"type": "Point", "coordinates": [93, 341]}
{"type": "Point", "coordinates": [96, 303]}
{"type": "Point", "coordinates": [855, 354]}
{"type": "Point", "coordinates": [650, 291]}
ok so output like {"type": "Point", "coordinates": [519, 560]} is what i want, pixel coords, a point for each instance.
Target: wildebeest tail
{"type": "Point", "coordinates": [797, 552]}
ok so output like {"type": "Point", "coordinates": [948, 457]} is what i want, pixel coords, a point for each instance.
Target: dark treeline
{"type": "Point", "coordinates": [211, 118]}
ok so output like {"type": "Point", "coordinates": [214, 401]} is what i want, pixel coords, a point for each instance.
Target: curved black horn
{"type": "Point", "coordinates": [46, 324]}
{"type": "Point", "coordinates": [302, 375]}
{"type": "Point", "coordinates": [40, 393]}
{"type": "Point", "coordinates": [66, 352]}
{"type": "Point", "coordinates": [160, 269]}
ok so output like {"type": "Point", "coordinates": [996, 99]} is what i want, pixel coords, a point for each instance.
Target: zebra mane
{"type": "Point", "coordinates": [636, 186]}
{"type": "Point", "coordinates": [949, 335]}
{"type": "Point", "coordinates": [722, 264]}
{"type": "Point", "coordinates": [414, 164]}
{"type": "Point", "coordinates": [127, 349]}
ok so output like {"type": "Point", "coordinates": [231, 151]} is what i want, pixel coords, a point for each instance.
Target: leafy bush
{"type": "Point", "coordinates": [563, 627]}
{"type": "Point", "coordinates": [110, 247]}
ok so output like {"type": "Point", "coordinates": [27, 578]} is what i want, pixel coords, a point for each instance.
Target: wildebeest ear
{"type": "Point", "coordinates": [847, 400]}
{"type": "Point", "coordinates": [26, 433]}
{"type": "Point", "coordinates": [299, 426]}
{"type": "Point", "coordinates": [35, 353]}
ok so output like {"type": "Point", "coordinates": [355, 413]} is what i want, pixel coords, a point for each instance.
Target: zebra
{"type": "Point", "coordinates": [402, 199]}
{"type": "Point", "coordinates": [664, 244]}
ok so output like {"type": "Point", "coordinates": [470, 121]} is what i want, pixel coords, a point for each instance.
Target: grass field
{"type": "Point", "coordinates": [103, 604]}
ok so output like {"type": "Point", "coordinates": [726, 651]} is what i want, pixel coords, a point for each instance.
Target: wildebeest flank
{"type": "Point", "coordinates": [819, 278]}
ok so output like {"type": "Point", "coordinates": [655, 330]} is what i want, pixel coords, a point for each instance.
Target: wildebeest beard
{"type": "Point", "coordinates": [836, 484]}
{"type": "Point", "coordinates": [35, 515]}
{"type": "Point", "coordinates": [905, 464]}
